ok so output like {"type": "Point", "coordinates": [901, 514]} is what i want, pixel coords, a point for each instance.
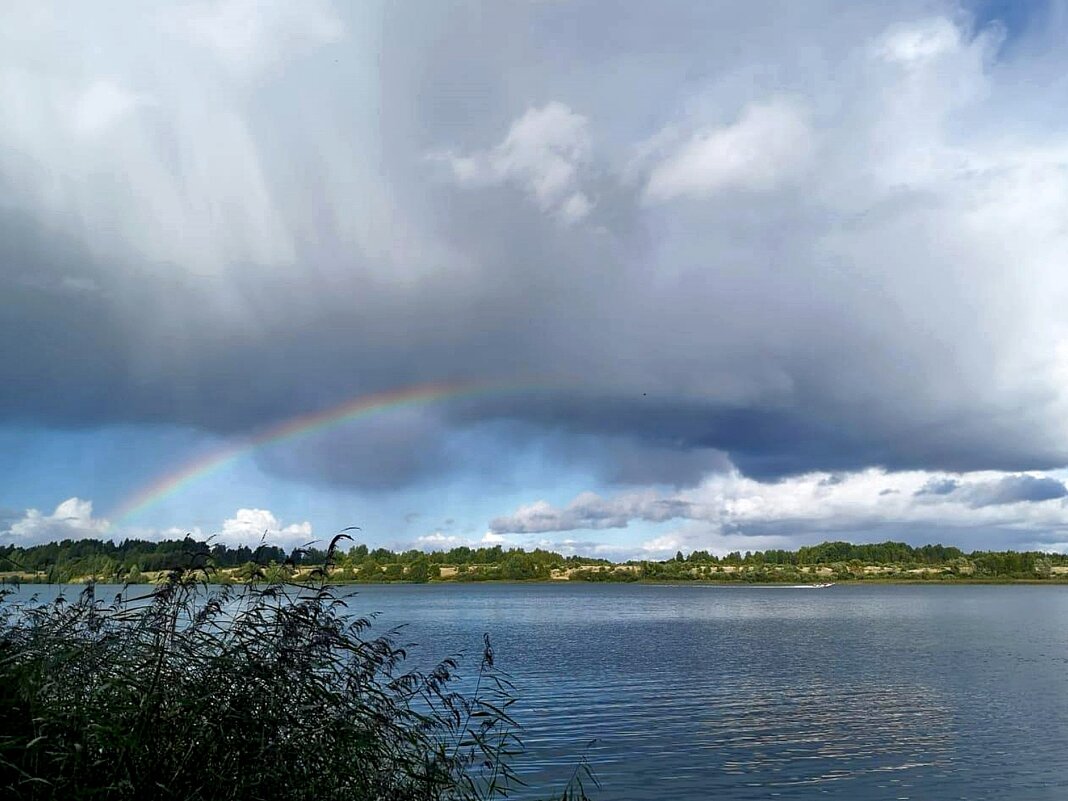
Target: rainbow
{"type": "Point", "coordinates": [356, 408]}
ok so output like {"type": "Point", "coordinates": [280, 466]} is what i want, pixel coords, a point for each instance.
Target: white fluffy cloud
{"type": "Point", "coordinates": [917, 43]}
{"type": "Point", "coordinates": [440, 541]}
{"type": "Point", "coordinates": [250, 525]}
{"type": "Point", "coordinates": [543, 154]}
{"type": "Point", "coordinates": [72, 520]}
{"type": "Point", "coordinates": [818, 505]}
{"type": "Point", "coordinates": [770, 142]}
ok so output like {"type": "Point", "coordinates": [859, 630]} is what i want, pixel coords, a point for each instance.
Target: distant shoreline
{"type": "Point", "coordinates": [139, 562]}
{"type": "Point", "coordinates": [7, 580]}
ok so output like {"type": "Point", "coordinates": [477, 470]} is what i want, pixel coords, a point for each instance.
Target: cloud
{"type": "Point", "coordinates": [398, 449]}
{"type": "Point", "coordinates": [590, 511]}
{"type": "Point", "coordinates": [135, 151]}
{"type": "Point", "coordinates": [938, 486]}
{"type": "Point", "coordinates": [440, 541]}
{"type": "Point", "coordinates": [543, 153]}
{"type": "Point", "coordinates": [1015, 489]}
{"type": "Point", "coordinates": [72, 520]}
{"type": "Point", "coordinates": [918, 43]}
{"type": "Point", "coordinates": [809, 507]}
{"type": "Point", "coordinates": [838, 249]}
{"type": "Point", "coordinates": [101, 106]}
{"type": "Point", "coordinates": [660, 546]}
{"type": "Point", "coordinates": [249, 35]}
{"type": "Point", "coordinates": [769, 142]}
{"type": "Point", "coordinates": [250, 525]}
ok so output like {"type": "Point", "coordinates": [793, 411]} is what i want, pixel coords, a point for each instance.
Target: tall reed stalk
{"type": "Point", "coordinates": [275, 690]}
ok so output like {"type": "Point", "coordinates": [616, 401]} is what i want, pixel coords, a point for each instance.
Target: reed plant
{"type": "Point", "coordinates": [272, 690]}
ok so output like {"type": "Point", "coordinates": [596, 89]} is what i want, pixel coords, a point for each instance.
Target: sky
{"type": "Point", "coordinates": [616, 279]}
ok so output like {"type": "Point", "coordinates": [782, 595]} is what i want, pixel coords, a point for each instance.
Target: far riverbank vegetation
{"type": "Point", "coordinates": [141, 561]}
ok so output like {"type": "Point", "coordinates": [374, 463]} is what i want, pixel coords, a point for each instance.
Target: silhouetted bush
{"type": "Point", "coordinates": [274, 690]}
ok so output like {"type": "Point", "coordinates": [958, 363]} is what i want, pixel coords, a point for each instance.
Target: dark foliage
{"type": "Point", "coordinates": [130, 560]}
{"type": "Point", "coordinates": [106, 561]}
{"type": "Point", "coordinates": [267, 691]}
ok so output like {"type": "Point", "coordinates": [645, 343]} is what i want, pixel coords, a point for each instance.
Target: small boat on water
{"type": "Point", "coordinates": [813, 586]}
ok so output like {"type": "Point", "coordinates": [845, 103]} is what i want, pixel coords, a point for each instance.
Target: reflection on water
{"type": "Point", "coordinates": [755, 737]}
{"type": "Point", "coordinates": [692, 692]}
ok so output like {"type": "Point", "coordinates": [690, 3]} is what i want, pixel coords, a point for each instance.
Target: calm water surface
{"type": "Point", "coordinates": [695, 692]}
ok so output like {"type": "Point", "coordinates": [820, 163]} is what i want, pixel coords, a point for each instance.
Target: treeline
{"type": "Point", "coordinates": [845, 561]}
{"type": "Point", "coordinates": [129, 560]}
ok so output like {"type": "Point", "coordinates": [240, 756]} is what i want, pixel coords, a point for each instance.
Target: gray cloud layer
{"type": "Point", "coordinates": [794, 236]}
{"type": "Point", "coordinates": [1019, 510]}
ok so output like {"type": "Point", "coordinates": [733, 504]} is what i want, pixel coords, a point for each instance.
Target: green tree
{"type": "Point", "coordinates": [419, 570]}
{"type": "Point", "coordinates": [517, 567]}
{"type": "Point", "coordinates": [1043, 567]}
{"type": "Point", "coordinates": [369, 570]}
{"type": "Point", "coordinates": [274, 573]}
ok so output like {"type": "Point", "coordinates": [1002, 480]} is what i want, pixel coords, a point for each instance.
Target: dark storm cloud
{"type": "Point", "coordinates": [634, 461]}
{"type": "Point", "coordinates": [938, 486]}
{"type": "Point", "coordinates": [591, 512]}
{"type": "Point", "coordinates": [1015, 489]}
{"type": "Point", "coordinates": [379, 456]}
{"type": "Point", "coordinates": [254, 224]}
{"type": "Point", "coordinates": [59, 347]}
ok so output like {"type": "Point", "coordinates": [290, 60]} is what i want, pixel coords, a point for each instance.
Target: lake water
{"type": "Point", "coordinates": [695, 692]}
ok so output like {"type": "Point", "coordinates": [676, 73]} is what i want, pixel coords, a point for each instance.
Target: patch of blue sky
{"type": "Point", "coordinates": [1017, 18]}
{"type": "Point", "coordinates": [44, 466]}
